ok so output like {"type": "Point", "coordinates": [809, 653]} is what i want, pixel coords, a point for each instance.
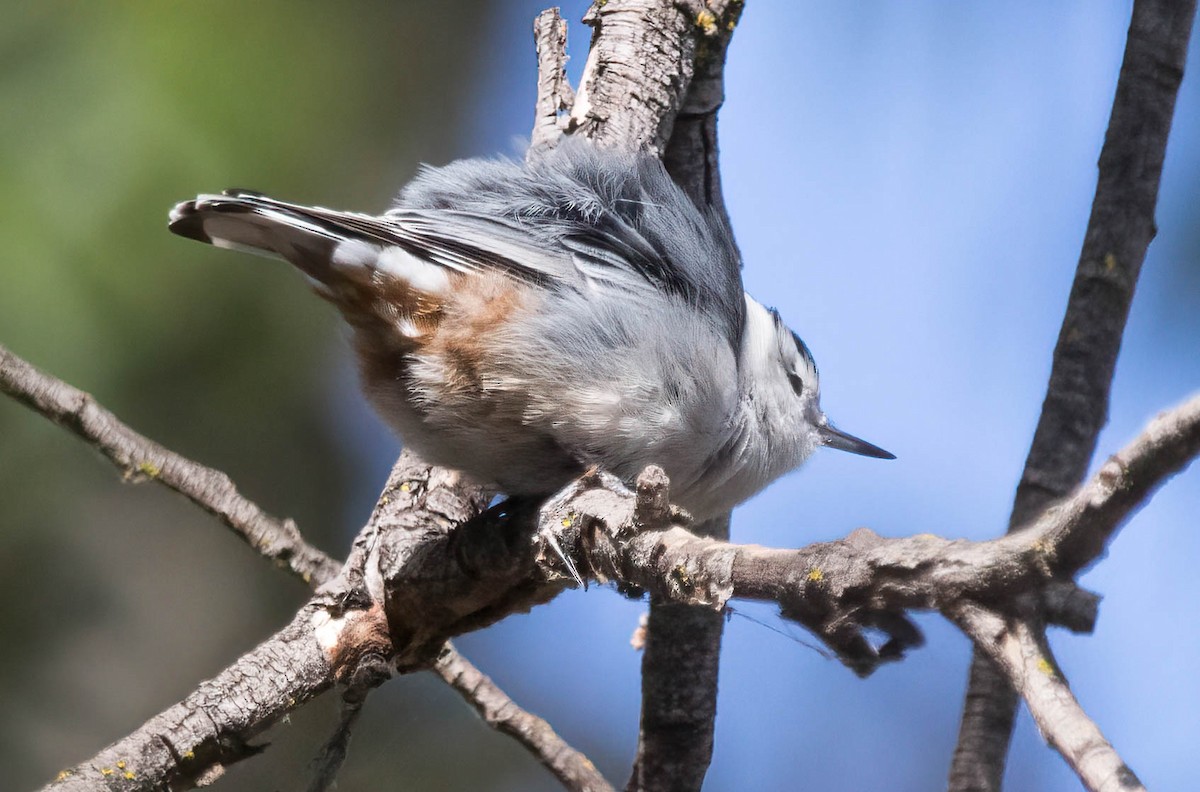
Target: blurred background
{"type": "Point", "coordinates": [909, 184]}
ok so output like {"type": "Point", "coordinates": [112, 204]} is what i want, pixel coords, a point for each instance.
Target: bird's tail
{"type": "Point", "coordinates": [362, 264]}
{"type": "Point", "coordinates": [306, 237]}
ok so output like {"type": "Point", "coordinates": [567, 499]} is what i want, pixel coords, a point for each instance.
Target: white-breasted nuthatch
{"type": "Point", "coordinates": [522, 322]}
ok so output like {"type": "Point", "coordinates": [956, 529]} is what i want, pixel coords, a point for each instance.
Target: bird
{"type": "Point", "coordinates": [524, 321]}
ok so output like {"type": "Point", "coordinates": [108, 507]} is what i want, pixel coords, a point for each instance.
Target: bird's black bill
{"type": "Point", "coordinates": [836, 438]}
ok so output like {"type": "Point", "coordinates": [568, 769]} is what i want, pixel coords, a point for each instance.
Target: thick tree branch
{"type": "Point", "coordinates": [1118, 234]}
{"type": "Point", "coordinates": [691, 155]}
{"type": "Point", "coordinates": [654, 80]}
{"type": "Point", "coordinates": [141, 459]}
{"type": "Point", "coordinates": [839, 589]}
{"type": "Point", "coordinates": [279, 541]}
{"type": "Point", "coordinates": [342, 637]}
{"type": "Point", "coordinates": [657, 97]}
{"type": "Point", "coordinates": [640, 67]}
{"type": "Point", "coordinates": [1076, 405]}
{"type": "Point", "coordinates": [681, 658]}
{"type": "Point", "coordinates": [190, 743]}
{"type": "Point", "coordinates": [414, 580]}
{"type": "Point", "coordinates": [682, 644]}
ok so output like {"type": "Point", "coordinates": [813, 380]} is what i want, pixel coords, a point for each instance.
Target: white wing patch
{"type": "Point", "coordinates": [355, 254]}
{"type": "Point", "coordinates": [393, 262]}
{"type": "Point", "coordinates": [421, 275]}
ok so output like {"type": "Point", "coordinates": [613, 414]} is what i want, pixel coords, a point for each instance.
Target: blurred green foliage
{"type": "Point", "coordinates": [117, 600]}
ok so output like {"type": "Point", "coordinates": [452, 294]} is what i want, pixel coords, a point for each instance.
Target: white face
{"type": "Point", "coordinates": [778, 422]}
{"type": "Point", "coordinates": [781, 377]}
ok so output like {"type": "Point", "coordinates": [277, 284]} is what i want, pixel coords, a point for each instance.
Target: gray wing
{"type": "Point", "coordinates": [618, 216]}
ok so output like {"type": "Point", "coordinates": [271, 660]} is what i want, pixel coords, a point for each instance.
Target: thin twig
{"type": "Point", "coordinates": [141, 459]}
{"type": "Point", "coordinates": [333, 753]}
{"type": "Point", "coordinates": [1019, 649]}
{"type": "Point", "coordinates": [573, 769]}
{"type": "Point", "coordinates": [1076, 405]}
{"type": "Point", "coordinates": [554, 94]}
{"type": "Point", "coordinates": [369, 668]}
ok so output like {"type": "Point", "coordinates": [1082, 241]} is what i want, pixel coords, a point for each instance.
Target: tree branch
{"type": "Point", "coordinates": [1079, 528]}
{"type": "Point", "coordinates": [1020, 650]}
{"type": "Point", "coordinates": [1076, 405]}
{"type": "Point", "coordinates": [141, 459]}
{"type": "Point", "coordinates": [333, 754]}
{"type": "Point", "coordinates": [554, 94]}
{"type": "Point", "coordinates": [343, 637]}
{"type": "Point", "coordinates": [573, 769]}
{"type": "Point", "coordinates": [654, 81]}
{"type": "Point", "coordinates": [658, 96]}
{"type": "Point", "coordinates": [840, 589]}
{"type": "Point", "coordinates": [191, 743]}
{"type": "Point", "coordinates": [279, 541]}
{"type": "Point", "coordinates": [681, 656]}
{"type": "Point", "coordinates": [640, 67]}
{"type": "Point", "coordinates": [414, 579]}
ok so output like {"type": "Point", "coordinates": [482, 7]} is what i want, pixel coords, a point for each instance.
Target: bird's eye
{"type": "Point", "coordinates": [797, 383]}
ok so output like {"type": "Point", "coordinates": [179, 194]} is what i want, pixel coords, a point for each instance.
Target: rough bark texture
{"type": "Point", "coordinates": [1118, 234]}
{"type": "Point", "coordinates": [691, 155]}
{"type": "Point", "coordinates": [250, 696]}
{"type": "Point", "coordinates": [413, 580]}
{"type": "Point", "coordinates": [554, 94]}
{"type": "Point", "coordinates": [681, 660]}
{"type": "Point", "coordinates": [189, 744]}
{"type": "Point", "coordinates": [1076, 405]}
{"type": "Point", "coordinates": [637, 71]}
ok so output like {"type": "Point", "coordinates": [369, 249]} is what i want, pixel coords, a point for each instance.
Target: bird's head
{"type": "Point", "coordinates": [780, 380]}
